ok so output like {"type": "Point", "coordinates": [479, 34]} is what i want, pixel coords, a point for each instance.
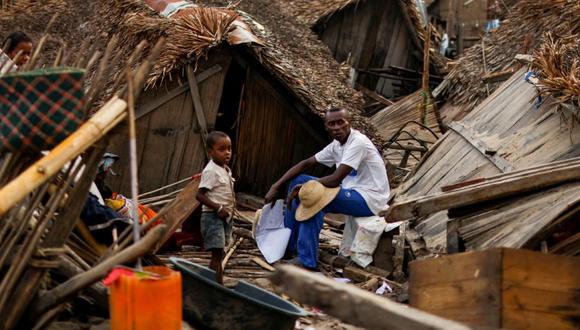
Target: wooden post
{"type": "Point", "coordinates": [196, 98]}
{"type": "Point", "coordinates": [133, 163]}
{"type": "Point", "coordinates": [353, 305]}
{"type": "Point", "coordinates": [425, 82]}
{"type": "Point", "coordinates": [484, 63]}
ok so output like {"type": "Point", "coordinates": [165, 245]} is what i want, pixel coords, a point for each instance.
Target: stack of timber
{"type": "Point", "coordinates": [505, 133]}
{"type": "Point", "coordinates": [521, 32]}
{"type": "Point", "coordinates": [41, 196]}
{"type": "Point", "coordinates": [520, 209]}
{"type": "Point", "coordinates": [499, 288]}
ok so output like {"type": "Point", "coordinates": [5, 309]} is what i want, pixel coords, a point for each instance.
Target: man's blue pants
{"type": "Point", "coordinates": [305, 234]}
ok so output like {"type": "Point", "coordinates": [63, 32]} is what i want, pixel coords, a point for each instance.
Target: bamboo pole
{"type": "Point", "coordinates": [425, 82]}
{"type": "Point", "coordinates": [67, 289]}
{"type": "Point", "coordinates": [71, 147]}
{"type": "Point", "coordinates": [133, 163]}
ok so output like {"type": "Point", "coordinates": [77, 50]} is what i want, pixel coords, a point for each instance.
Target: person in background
{"type": "Point", "coordinates": [18, 42]}
{"type": "Point", "coordinates": [216, 194]}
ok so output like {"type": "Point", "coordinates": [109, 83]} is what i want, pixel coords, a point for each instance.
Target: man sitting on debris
{"type": "Point", "coordinates": [358, 187]}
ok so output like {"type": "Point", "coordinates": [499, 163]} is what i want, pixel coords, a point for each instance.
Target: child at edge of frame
{"type": "Point", "coordinates": [216, 194]}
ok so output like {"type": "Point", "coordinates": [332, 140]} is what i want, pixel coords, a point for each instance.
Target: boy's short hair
{"type": "Point", "coordinates": [213, 137]}
{"type": "Point", "coordinates": [14, 39]}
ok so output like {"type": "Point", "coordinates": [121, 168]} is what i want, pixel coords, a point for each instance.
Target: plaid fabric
{"type": "Point", "coordinates": [40, 108]}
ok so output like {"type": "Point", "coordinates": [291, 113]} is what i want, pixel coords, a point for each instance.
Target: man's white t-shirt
{"type": "Point", "coordinates": [369, 175]}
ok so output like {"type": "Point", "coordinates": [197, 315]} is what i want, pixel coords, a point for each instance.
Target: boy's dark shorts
{"type": "Point", "coordinates": [216, 232]}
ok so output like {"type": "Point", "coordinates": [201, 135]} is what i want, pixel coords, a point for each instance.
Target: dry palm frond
{"type": "Point", "coordinates": [191, 37]}
{"type": "Point", "coordinates": [556, 62]}
{"type": "Point", "coordinates": [521, 32]}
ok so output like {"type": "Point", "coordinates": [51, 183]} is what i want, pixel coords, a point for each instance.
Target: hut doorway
{"type": "Point", "coordinates": [228, 115]}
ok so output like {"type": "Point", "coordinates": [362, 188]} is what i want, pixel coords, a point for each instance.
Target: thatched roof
{"type": "Point", "coordinates": [74, 23]}
{"type": "Point", "coordinates": [556, 62]}
{"type": "Point", "coordinates": [314, 12]}
{"type": "Point", "coordinates": [523, 31]}
{"type": "Point", "coordinates": [290, 51]}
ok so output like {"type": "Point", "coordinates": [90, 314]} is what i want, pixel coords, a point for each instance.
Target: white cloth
{"type": "Point", "coordinates": [220, 185]}
{"type": "Point", "coordinates": [6, 63]}
{"type": "Point", "coordinates": [271, 235]}
{"type": "Point", "coordinates": [369, 175]}
{"type": "Point", "coordinates": [361, 237]}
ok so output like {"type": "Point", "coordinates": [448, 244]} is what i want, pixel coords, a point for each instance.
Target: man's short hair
{"type": "Point", "coordinates": [338, 109]}
{"type": "Point", "coordinates": [14, 39]}
{"type": "Point", "coordinates": [213, 137]}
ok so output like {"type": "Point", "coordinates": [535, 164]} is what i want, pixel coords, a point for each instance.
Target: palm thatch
{"type": "Point", "coordinates": [290, 52]}
{"type": "Point", "coordinates": [74, 24]}
{"type": "Point", "coordinates": [521, 32]}
{"type": "Point", "coordinates": [557, 63]}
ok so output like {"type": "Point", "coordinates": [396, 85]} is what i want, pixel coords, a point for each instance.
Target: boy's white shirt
{"type": "Point", "coordinates": [219, 184]}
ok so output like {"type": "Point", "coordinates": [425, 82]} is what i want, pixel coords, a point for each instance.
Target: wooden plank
{"type": "Point", "coordinates": [156, 103]}
{"type": "Point", "coordinates": [494, 77]}
{"type": "Point", "coordinates": [540, 290]}
{"type": "Point", "coordinates": [460, 267]}
{"type": "Point", "coordinates": [374, 95]}
{"type": "Point", "coordinates": [486, 191]}
{"type": "Point", "coordinates": [515, 318]}
{"type": "Point", "coordinates": [464, 287]}
{"type": "Point", "coordinates": [470, 136]}
{"type": "Point", "coordinates": [185, 203]}
{"type": "Point", "coordinates": [480, 294]}
{"type": "Point", "coordinates": [196, 98]}
{"type": "Point", "coordinates": [354, 305]}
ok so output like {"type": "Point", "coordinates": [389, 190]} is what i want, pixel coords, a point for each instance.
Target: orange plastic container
{"type": "Point", "coordinates": [142, 304]}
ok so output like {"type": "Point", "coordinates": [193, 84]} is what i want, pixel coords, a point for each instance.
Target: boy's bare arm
{"type": "Point", "coordinates": [203, 199]}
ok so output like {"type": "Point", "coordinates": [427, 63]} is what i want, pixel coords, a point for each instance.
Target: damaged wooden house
{"type": "Point", "coordinates": [382, 41]}
{"type": "Point", "coordinates": [510, 141]}
{"type": "Point", "coordinates": [227, 70]}
{"type": "Point", "coordinates": [466, 21]}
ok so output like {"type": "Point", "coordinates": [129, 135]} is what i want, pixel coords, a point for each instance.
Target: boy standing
{"type": "Point", "coordinates": [216, 194]}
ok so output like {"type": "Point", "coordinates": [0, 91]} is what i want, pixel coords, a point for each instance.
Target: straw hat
{"type": "Point", "coordinates": [314, 196]}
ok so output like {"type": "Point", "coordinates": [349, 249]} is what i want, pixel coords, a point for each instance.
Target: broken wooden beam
{"type": "Point", "coordinates": [184, 205]}
{"type": "Point", "coordinates": [494, 77]}
{"type": "Point", "coordinates": [353, 305]}
{"type": "Point", "coordinates": [513, 183]}
{"type": "Point", "coordinates": [373, 95]}
{"type": "Point", "coordinates": [197, 105]}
